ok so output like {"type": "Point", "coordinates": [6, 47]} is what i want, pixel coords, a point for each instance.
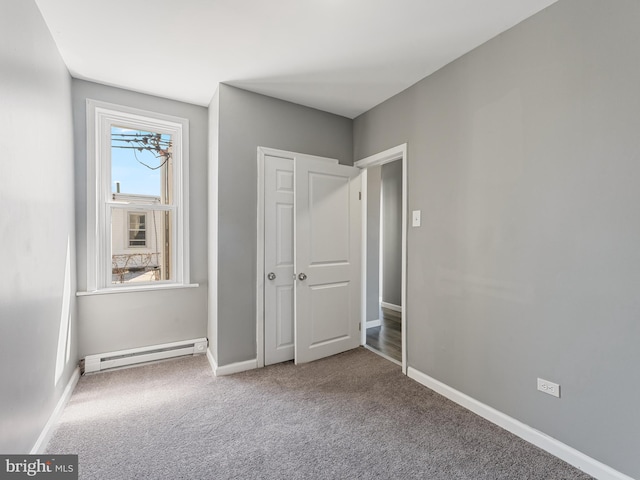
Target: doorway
{"type": "Point", "coordinates": [385, 253]}
{"type": "Point", "coordinates": [384, 260]}
{"type": "Point", "coordinates": [308, 265]}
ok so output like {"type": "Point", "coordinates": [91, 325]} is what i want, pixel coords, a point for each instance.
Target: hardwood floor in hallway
{"type": "Point", "coordinates": [387, 338]}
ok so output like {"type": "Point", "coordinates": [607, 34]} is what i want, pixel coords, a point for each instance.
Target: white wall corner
{"type": "Point", "coordinates": [237, 367]}
{"type": "Point", "coordinates": [555, 447]}
{"type": "Point", "coordinates": [47, 431]}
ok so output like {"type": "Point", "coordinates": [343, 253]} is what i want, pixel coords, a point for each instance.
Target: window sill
{"type": "Point", "coordinates": [141, 288]}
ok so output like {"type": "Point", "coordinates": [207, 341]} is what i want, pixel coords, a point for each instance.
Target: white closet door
{"type": "Point", "coordinates": [278, 260]}
{"type": "Point", "coordinates": [327, 259]}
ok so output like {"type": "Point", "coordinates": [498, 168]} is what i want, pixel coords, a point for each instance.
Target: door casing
{"type": "Point", "coordinates": [390, 155]}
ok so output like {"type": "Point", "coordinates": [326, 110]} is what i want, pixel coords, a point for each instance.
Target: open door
{"type": "Point", "coordinates": [327, 259]}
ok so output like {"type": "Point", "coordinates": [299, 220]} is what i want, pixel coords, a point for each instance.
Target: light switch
{"type": "Point", "coordinates": [416, 218]}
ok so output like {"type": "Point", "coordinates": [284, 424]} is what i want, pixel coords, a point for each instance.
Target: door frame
{"type": "Point", "coordinates": [391, 155]}
{"type": "Point", "coordinates": [262, 153]}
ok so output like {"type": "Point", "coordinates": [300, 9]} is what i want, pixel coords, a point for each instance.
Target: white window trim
{"type": "Point", "coordinates": [99, 116]}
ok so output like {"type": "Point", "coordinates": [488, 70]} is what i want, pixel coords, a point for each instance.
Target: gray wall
{"type": "Point", "coordinates": [36, 226]}
{"type": "Point", "coordinates": [391, 183]}
{"type": "Point", "coordinates": [246, 121]}
{"type": "Point", "coordinates": [524, 159]}
{"type": "Point", "coordinates": [373, 243]}
{"type": "Point", "coordinates": [134, 319]}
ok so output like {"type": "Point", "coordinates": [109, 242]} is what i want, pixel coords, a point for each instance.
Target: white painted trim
{"type": "Point", "coordinates": [47, 431]}
{"type": "Point", "coordinates": [391, 306]}
{"type": "Point", "coordinates": [231, 368]}
{"type": "Point", "coordinates": [555, 447]}
{"type": "Point", "coordinates": [262, 153]}
{"type": "Point", "coordinates": [390, 155]}
{"type": "Point", "coordinates": [99, 117]}
{"type": "Point", "coordinates": [213, 237]}
{"type": "Point", "coordinates": [363, 258]}
{"type": "Point", "coordinates": [405, 213]}
{"type": "Point", "coordinates": [373, 323]}
{"type": "Point", "coordinates": [383, 355]}
{"type": "Point", "coordinates": [236, 367]}
{"type": "Point", "coordinates": [380, 243]}
{"type": "Point", "coordinates": [212, 361]}
{"type": "Point", "coordinates": [274, 152]}
{"type": "Point", "coordinates": [141, 288]}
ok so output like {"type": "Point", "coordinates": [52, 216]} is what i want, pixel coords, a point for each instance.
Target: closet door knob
{"type": "Point", "coordinates": [271, 276]}
{"type": "Point", "coordinates": [302, 276]}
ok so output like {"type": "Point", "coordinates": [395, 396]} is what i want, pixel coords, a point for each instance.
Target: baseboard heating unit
{"type": "Point", "coordinates": [103, 361]}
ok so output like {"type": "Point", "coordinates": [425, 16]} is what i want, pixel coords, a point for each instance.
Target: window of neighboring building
{"type": "Point", "coordinates": [137, 230]}
{"type": "Point", "coordinates": [137, 198]}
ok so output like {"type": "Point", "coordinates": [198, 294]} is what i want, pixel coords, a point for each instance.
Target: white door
{"type": "Point", "coordinates": [327, 259]}
{"type": "Point", "coordinates": [278, 260]}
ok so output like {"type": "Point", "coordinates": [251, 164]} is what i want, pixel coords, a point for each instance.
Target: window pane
{"type": "Point", "coordinates": [137, 220]}
{"type": "Point", "coordinates": [141, 166]}
{"type": "Point", "coordinates": [140, 246]}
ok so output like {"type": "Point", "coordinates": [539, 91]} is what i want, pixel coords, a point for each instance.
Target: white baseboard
{"type": "Point", "coordinates": [373, 323]}
{"type": "Point", "coordinates": [235, 367]}
{"type": "Point", "coordinates": [391, 306]}
{"type": "Point", "coordinates": [47, 431]}
{"type": "Point", "coordinates": [231, 368]}
{"type": "Point", "coordinates": [555, 447]}
{"type": "Point", "coordinates": [212, 361]}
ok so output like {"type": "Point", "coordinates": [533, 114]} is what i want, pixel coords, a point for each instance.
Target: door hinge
{"type": "Point", "coordinates": [359, 326]}
{"type": "Point", "coordinates": [359, 195]}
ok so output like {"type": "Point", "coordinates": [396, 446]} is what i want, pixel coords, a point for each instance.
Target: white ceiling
{"type": "Point", "coordinates": [341, 56]}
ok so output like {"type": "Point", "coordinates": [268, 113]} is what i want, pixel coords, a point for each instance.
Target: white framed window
{"type": "Point", "coordinates": [137, 201]}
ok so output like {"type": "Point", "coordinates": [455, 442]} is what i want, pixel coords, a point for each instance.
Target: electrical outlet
{"type": "Point", "coordinates": [549, 387]}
